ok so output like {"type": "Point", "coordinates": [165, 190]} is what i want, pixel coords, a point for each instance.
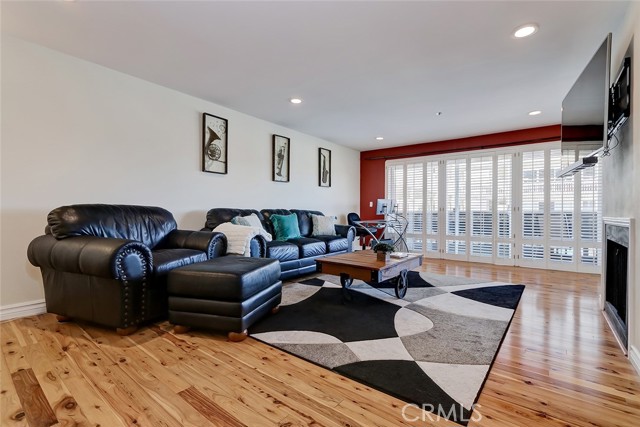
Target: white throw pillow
{"type": "Point", "coordinates": [323, 225]}
{"type": "Point", "coordinates": [239, 237]}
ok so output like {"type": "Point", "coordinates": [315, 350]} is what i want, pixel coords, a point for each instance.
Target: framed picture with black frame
{"type": "Point", "coordinates": [324, 167]}
{"type": "Point", "coordinates": [281, 158]}
{"type": "Point", "coordinates": [214, 144]}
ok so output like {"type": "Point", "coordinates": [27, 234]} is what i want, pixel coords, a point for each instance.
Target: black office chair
{"type": "Point", "coordinates": [363, 235]}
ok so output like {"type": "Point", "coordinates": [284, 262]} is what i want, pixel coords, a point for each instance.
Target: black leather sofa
{"type": "Point", "coordinates": [296, 256]}
{"type": "Point", "coordinates": [108, 264]}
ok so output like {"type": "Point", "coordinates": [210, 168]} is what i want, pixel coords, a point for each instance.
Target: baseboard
{"type": "Point", "coordinates": [23, 309]}
{"type": "Point", "coordinates": [634, 357]}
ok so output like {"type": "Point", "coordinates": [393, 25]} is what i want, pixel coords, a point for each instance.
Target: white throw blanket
{"type": "Point", "coordinates": [239, 237]}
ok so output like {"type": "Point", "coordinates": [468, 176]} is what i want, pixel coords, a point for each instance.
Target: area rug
{"type": "Point", "coordinates": [434, 348]}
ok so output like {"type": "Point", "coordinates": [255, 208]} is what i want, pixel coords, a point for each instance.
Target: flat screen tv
{"type": "Point", "coordinates": [585, 108]}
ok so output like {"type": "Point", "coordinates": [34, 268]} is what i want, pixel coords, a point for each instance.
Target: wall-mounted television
{"type": "Point", "coordinates": [585, 107]}
{"type": "Point", "coordinates": [384, 206]}
{"type": "Point", "coordinates": [585, 112]}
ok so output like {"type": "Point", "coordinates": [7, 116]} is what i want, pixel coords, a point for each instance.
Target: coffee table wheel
{"type": "Point", "coordinates": [346, 280]}
{"type": "Point", "coordinates": [402, 284]}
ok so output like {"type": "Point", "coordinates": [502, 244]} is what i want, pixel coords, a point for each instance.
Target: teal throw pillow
{"type": "Point", "coordinates": [285, 226]}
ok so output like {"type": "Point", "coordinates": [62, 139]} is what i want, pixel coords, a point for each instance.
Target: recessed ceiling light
{"type": "Point", "coordinates": [535, 113]}
{"type": "Point", "coordinates": [379, 138]}
{"type": "Point", "coordinates": [295, 100]}
{"type": "Point", "coordinates": [439, 113]}
{"type": "Point", "coordinates": [525, 31]}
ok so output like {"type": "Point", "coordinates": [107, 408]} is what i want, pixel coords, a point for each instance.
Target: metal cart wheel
{"type": "Point", "coordinates": [402, 284]}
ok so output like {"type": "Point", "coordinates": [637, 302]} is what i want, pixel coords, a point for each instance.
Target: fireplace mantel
{"type": "Point", "coordinates": [621, 222]}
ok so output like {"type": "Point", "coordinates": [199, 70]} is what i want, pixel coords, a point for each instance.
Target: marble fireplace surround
{"type": "Point", "coordinates": [621, 231]}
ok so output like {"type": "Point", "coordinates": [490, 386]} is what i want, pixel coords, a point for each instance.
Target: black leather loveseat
{"type": "Point", "coordinates": [108, 264]}
{"type": "Point", "coordinates": [296, 256]}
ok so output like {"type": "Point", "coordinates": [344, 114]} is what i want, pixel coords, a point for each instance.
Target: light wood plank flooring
{"type": "Point", "coordinates": [558, 366]}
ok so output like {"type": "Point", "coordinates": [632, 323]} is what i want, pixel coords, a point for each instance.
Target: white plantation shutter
{"type": "Point", "coordinates": [590, 239]}
{"type": "Point", "coordinates": [396, 192]}
{"type": "Point", "coordinates": [504, 204]}
{"type": "Point", "coordinates": [533, 210]}
{"type": "Point", "coordinates": [414, 203]}
{"type": "Point", "coordinates": [516, 210]}
{"type": "Point", "coordinates": [456, 208]}
{"type": "Point", "coordinates": [561, 206]}
{"type": "Point", "coordinates": [395, 184]}
{"type": "Point", "coordinates": [481, 205]}
{"type": "Point", "coordinates": [431, 206]}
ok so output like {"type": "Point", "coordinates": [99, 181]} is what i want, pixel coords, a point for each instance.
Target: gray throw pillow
{"type": "Point", "coordinates": [323, 225]}
{"type": "Point", "coordinates": [249, 220]}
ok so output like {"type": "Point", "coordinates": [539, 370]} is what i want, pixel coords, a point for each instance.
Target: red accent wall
{"type": "Point", "coordinates": [372, 162]}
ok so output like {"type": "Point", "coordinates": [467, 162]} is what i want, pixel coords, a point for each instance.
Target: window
{"type": "Point", "coordinates": [533, 206]}
{"type": "Point", "coordinates": [431, 206]}
{"type": "Point", "coordinates": [456, 185]}
{"type": "Point", "coordinates": [561, 207]}
{"type": "Point", "coordinates": [395, 185]}
{"type": "Point", "coordinates": [590, 214]}
{"type": "Point", "coordinates": [502, 205]}
{"type": "Point", "coordinates": [481, 205]}
{"type": "Point", "coordinates": [413, 212]}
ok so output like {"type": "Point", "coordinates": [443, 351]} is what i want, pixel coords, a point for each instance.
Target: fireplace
{"type": "Point", "coordinates": [616, 275]}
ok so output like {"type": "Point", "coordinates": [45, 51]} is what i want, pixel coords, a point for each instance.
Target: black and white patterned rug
{"type": "Point", "coordinates": [433, 348]}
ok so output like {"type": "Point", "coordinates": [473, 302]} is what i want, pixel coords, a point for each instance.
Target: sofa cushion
{"type": "Point", "coordinates": [334, 243]}
{"type": "Point", "coordinates": [146, 224]}
{"type": "Point", "coordinates": [165, 260]}
{"type": "Point", "coordinates": [217, 216]}
{"type": "Point", "coordinates": [323, 225]}
{"type": "Point", "coordinates": [283, 251]}
{"type": "Point", "coordinates": [285, 227]}
{"type": "Point", "coordinates": [304, 221]}
{"type": "Point", "coordinates": [309, 247]}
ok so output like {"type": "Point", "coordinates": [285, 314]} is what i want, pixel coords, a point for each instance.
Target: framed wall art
{"type": "Point", "coordinates": [214, 140]}
{"type": "Point", "coordinates": [324, 167]}
{"type": "Point", "coordinates": [281, 159]}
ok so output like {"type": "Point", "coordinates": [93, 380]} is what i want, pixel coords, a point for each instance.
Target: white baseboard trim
{"type": "Point", "coordinates": [634, 357]}
{"type": "Point", "coordinates": [23, 309]}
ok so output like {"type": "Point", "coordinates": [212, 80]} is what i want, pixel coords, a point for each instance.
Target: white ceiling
{"type": "Point", "coordinates": [363, 69]}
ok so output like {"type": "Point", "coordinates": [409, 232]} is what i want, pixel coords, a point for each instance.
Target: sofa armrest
{"type": "Point", "coordinates": [258, 247]}
{"type": "Point", "coordinates": [212, 243]}
{"type": "Point", "coordinates": [347, 231]}
{"type": "Point", "coordinates": [118, 259]}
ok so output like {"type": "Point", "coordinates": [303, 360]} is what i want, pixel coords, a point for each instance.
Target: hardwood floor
{"type": "Point", "coordinates": [559, 365]}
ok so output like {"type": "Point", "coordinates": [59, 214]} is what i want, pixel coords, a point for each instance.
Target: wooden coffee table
{"type": "Point", "coordinates": [365, 266]}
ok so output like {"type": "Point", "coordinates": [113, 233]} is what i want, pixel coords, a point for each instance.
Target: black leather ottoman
{"type": "Point", "coordinates": [228, 293]}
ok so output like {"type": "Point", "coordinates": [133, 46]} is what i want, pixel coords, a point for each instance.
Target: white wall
{"type": "Point", "coordinates": [622, 168]}
{"type": "Point", "coordinates": [76, 132]}
{"type": "Point", "coordinates": [634, 340]}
